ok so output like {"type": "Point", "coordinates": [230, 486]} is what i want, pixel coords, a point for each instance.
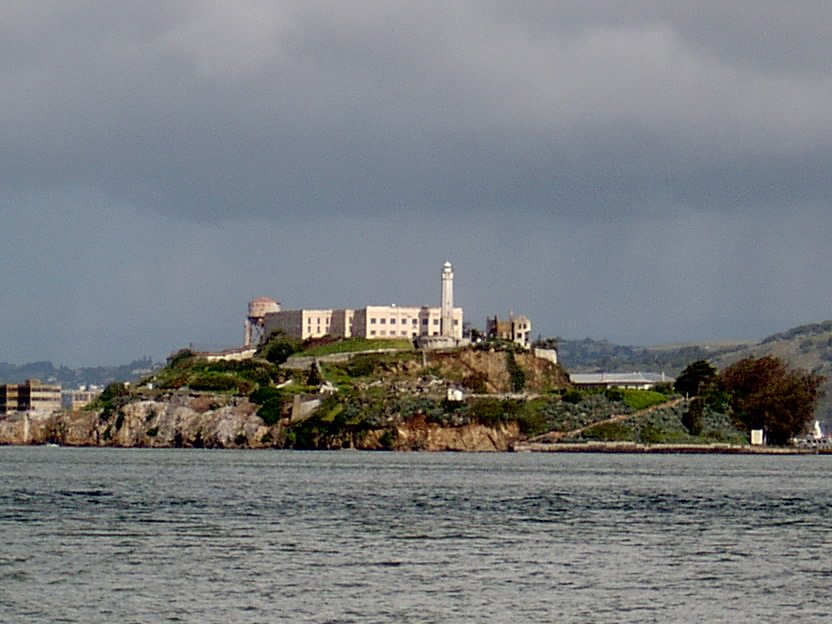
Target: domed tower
{"type": "Point", "coordinates": [256, 319]}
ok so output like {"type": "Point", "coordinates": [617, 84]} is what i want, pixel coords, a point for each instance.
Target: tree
{"type": "Point", "coordinates": [696, 378]}
{"type": "Point", "coordinates": [692, 418]}
{"type": "Point", "coordinates": [279, 347]}
{"type": "Point", "coordinates": [766, 394]}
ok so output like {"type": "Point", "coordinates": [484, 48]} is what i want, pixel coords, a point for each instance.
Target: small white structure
{"type": "Point", "coordinates": [758, 437]}
{"type": "Point", "coordinates": [550, 355]}
{"type": "Point", "coordinates": [817, 434]}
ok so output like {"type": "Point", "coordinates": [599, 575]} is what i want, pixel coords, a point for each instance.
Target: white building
{"type": "Point", "coordinates": [373, 321]}
{"type": "Point", "coordinates": [635, 381]}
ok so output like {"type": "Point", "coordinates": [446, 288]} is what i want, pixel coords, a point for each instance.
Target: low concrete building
{"type": "Point", "coordinates": [635, 381]}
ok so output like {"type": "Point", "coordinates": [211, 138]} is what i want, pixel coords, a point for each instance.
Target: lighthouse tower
{"type": "Point", "coordinates": [447, 311]}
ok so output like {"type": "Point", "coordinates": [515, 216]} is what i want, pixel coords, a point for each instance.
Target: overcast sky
{"type": "Point", "coordinates": [639, 171]}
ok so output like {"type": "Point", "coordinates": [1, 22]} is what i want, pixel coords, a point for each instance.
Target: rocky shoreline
{"type": "Point", "coordinates": [190, 423]}
{"type": "Point", "coordinates": [194, 421]}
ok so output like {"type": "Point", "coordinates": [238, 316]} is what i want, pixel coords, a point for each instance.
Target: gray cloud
{"type": "Point", "coordinates": [186, 156]}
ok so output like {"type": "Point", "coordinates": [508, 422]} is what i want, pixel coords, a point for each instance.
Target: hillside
{"type": "Point", "coordinates": [396, 400]}
{"type": "Point", "coordinates": [67, 377]}
{"type": "Point", "coordinates": [808, 347]}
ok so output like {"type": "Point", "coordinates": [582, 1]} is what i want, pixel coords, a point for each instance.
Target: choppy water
{"type": "Point", "coordinates": [94, 535]}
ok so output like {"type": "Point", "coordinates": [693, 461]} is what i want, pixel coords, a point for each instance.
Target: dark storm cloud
{"type": "Point", "coordinates": [210, 109]}
{"type": "Point", "coordinates": [642, 171]}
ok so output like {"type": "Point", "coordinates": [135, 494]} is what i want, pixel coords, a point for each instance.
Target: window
{"type": "Point", "coordinates": [372, 321]}
{"type": "Point", "coordinates": [382, 333]}
{"type": "Point", "coordinates": [404, 333]}
{"type": "Point", "coordinates": [424, 321]}
{"type": "Point", "coordinates": [392, 321]}
{"type": "Point", "coordinates": [456, 321]}
{"type": "Point", "coordinates": [372, 332]}
{"type": "Point", "coordinates": [382, 321]}
{"type": "Point", "coordinates": [436, 321]}
{"type": "Point", "coordinates": [415, 321]}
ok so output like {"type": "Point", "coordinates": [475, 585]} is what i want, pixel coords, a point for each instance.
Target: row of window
{"type": "Point", "coordinates": [392, 332]}
{"type": "Point", "coordinates": [383, 321]}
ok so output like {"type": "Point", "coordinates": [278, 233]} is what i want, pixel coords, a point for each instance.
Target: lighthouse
{"type": "Point", "coordinates": [447, 311]}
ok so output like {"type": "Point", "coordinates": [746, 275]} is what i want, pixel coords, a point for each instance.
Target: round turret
{"type": "Point", "coordinates": [258, 308]}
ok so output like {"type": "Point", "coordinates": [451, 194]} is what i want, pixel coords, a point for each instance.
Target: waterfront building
{"type": "Point", "coordinates": [30, 396]}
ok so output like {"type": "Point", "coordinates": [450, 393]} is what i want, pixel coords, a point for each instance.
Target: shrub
{"type": "Point", "coordinates": [516, 375]}
{"type": "Point", "coordinates": [642, 399]}
{"type": "Point", "coordinates": [271, 411]}
{"type": "Point", "coordinates": [264, 393]}
{"type": "Point", "coordinates": [692, 418]}
{"type": "Point", "coordinates": [278, 348]}
{"type": "Point", "coordinates": [609, 432]}
{"type": "Point", "coordinates": [362, 366]}
{"type": "Point", "coordinates": [614, 394]}
{"type": "Point", "coordinates": [213, 381]}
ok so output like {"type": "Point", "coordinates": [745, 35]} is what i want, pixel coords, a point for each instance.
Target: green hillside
{"type": "Point", "coordinates": [807, 347]}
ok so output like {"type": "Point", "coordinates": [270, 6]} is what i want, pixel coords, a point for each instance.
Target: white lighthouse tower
{"type": "Point", "coordinates": [447, 311]}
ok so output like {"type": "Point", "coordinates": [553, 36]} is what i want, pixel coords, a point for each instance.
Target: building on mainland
{"type": "Point", "coordinates": [30, 396]}
{"type": "Point", "coordinates": [372, 321]}
{"type": "Point", "coordinates": [80, 398]}
{"type": "Point", "coordinates": [517, 329]}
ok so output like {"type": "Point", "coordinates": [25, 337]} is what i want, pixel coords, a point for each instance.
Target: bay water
{"type": "Point", "coordinates": [140, 535]}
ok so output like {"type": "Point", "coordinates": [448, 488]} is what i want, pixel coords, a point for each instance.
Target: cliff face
{"type": "Point", "coordinates": [217, 421]}
{"type": "Point", "coordinates": [214, 421]}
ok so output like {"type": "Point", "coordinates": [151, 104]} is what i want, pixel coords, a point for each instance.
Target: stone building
{"type": "Point", "coordinates": [517, 329]}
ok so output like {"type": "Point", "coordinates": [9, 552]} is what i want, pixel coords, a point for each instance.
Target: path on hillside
{"type": "Point", "coordinates": [554, 436]}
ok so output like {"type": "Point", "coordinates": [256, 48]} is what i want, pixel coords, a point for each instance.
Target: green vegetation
{"type": "Point", "coordinates": [353, 345]}
{"type": "Point", "coordinates": [278, 347]}
{"type": "Point", "coordinates": [696, 378]}
{"type": "Point", "coordinates": [112, 399]}
{"type": "Point", "coordinates": [642, 399]}
{"type": "Point", "coordinates": [766, 394]}
{"type": "Point", "coordinates": [515, 373]}
{"type": "Point", "coordinates": [184, 369]}
{"type": "Point", "coordinates": [379, 392]}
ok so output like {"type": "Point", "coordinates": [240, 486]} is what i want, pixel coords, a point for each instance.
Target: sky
{"type": "Point", "coordinates": [643, 171]}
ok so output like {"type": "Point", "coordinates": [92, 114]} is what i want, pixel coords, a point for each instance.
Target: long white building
{"type": "Point", "coordinates": [373, 321]}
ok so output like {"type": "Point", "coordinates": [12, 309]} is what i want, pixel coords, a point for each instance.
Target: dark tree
{"type": "Point", "coordinates": [696, 378]}
{"type": "Point", "coordinates": [692, 418]}
{"type": "Point", "coordinates": [278, 348]}
{"type": "Point", "coordinates": [766, 394]}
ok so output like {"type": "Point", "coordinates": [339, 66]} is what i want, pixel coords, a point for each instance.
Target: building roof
{"type": "Point", "coordinates": [619, 379]}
